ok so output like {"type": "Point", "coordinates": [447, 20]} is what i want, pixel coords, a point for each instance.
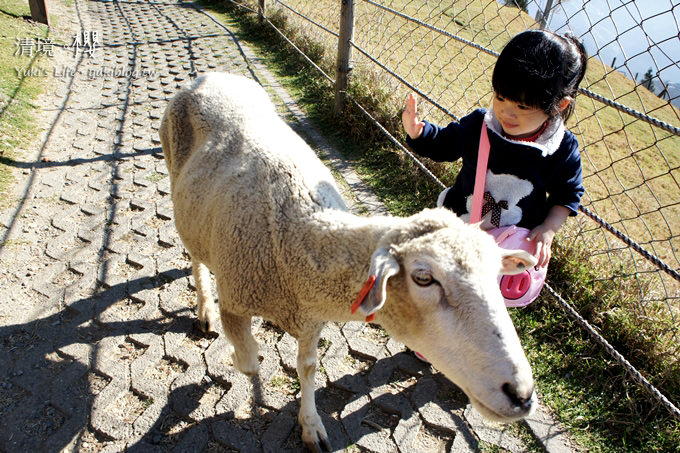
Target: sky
{"type": "Point", "coordinates": [640, 34]}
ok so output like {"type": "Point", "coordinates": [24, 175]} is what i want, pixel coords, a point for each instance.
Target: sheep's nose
{"type": "Point", "coordinates": [520, 399]}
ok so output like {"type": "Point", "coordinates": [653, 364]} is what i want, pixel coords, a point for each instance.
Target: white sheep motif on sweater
{"type": "Point", "coordinates": [503, 188]}
{"type": "Point", "coordinates": [255, 206]}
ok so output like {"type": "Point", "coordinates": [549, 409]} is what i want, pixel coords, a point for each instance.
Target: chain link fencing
{"type": "Point", "coordinates": [626, 121]}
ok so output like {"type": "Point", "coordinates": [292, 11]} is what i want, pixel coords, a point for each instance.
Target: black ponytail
{"type": "Point", "coordinates": [578, 62]}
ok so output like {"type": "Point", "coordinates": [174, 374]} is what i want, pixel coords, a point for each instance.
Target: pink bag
{"type": "Point", "coordinates": [521, 289]}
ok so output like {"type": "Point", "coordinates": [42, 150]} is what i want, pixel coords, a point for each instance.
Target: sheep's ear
{"type": "Point", "coordinates": [383, 266]}
{"type": "Point", "coordinates": [516, 261]}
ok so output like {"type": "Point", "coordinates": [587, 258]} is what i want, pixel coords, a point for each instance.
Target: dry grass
{"type": "Point", "coordinates": [631, 168]}
{"type": "Point", "coordinates": [17, 93]}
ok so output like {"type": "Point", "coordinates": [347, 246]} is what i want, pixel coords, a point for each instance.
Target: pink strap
{"type": "Point", "coordinates": [505, 232]}
{"type": "Point", "coordinates": [480, 176]}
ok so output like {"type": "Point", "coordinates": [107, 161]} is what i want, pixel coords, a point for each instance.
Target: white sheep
{"type": "Point", "coordinates": [254, 204]}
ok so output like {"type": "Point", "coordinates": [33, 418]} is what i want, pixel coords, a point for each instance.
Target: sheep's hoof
{"type": "Point", "coordinates": [206, 328]}
{"type": "Point", "coordinates": [318, 447]}
{"type": "Point", "coordinates": [314, 435]}
{"type": "Point", "coordinates": [207, 322]}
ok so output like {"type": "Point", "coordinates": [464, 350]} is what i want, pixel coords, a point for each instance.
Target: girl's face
{"type": "Point", "coordinates": [517, 120]}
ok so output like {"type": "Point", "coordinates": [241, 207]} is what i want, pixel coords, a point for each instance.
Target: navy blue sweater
{"type": "Point", "coordinates": [524, 179]}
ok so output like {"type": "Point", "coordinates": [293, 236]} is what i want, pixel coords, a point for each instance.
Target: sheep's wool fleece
{"type": "Point", "coordinates": [258, 191]}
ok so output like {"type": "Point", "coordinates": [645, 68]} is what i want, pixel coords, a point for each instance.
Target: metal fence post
{"type": "Point", "coordinates": [544, 15]}
{"type": "Point", "coordinates": [261, 9]}
{"type": "Point", "coordinates": [344, 53]}
{"type": "Point", "coordinates": [39, 11]}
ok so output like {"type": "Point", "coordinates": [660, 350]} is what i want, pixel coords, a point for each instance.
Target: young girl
{"type": "Point", "coordinates": [534, 168]}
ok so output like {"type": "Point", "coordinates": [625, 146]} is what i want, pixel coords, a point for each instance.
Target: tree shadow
{"type": "Point", "coordinates": [25, 17]}
{"type": "Point", "coordinates": [349, 418]}
{"type": "Point", "coordinates": [48, 393]}
{"type": "Point", "coordinates": [46, 362]}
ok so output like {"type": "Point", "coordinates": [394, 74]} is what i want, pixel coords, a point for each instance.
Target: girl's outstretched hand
{"type": "Point", "coordinates": [543, 236]}
{"type": "Point", "coordinates": [409, 118]}
{"type": "Point", "coordinates": [544, 233]}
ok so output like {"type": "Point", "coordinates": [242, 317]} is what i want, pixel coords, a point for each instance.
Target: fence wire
{"type": "Point", "coordinates": [626, 119]}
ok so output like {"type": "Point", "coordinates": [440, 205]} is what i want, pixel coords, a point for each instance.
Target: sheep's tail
{"type": "Point", "coordinates": [176, 133]}
{"type": "Point", "coordinates": [182, 130]}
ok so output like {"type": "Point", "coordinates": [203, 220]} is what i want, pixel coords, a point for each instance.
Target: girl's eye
{"type": "Point", "coordinates": [422, 278]}
{"type": "Point", "coordinates": [523, 107]}
{"type": "Point", "coordinates": [500, 98]}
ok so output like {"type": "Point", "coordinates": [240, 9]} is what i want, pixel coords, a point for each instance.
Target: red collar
{"type": "Point", "coordinates": [362, 295]}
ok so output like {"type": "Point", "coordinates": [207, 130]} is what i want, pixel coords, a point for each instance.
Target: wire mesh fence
{"type": "Point", "coordinates": [626, 120]}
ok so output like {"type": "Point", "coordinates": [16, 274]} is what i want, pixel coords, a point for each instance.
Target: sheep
{"type": "Point", "coordinates": [254, 205]}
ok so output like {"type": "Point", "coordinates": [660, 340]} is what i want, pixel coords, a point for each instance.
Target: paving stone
{"type": "Point", "coordinates": [277, 432]}
{"type": "Point", "coordinates": [550, 434]}
{"type": "Point", "coordinates": [436, 415]}
{"type": "Point", "coordinates": [493, 433]}
{"type": "Point", "coordinates": [465, 441]}
{"type": "Point", "coordinates": [287, 348]}
{"type": "Point", "coordinates": [104, 420]}
{"type": "Point", "coordinates": [359, 345]}
{"type": "Point", "coordinates": [406, 432]}
{"type": "Point", "coordinates": [232, 436]}
{"type": "Point", "coordinates": [195, 440]}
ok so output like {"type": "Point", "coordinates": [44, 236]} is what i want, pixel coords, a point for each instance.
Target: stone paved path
{"type": "Point", "coordinates": [98, 349]}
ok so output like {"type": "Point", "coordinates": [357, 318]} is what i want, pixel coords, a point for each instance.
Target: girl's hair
{"type": "Point", "coordinates": [538, 68]}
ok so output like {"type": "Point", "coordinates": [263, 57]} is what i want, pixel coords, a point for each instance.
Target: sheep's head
{"type": "Point", "coordinates": [436, 289]}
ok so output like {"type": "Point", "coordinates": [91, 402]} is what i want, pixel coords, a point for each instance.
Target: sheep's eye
{"type": "Point", "coordinates": [422, 278]}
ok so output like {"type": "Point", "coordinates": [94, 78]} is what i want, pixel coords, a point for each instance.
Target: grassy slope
{"type": "Point", "coordinates": [17, 94]}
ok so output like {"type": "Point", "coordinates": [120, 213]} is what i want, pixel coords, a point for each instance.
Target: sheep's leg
{"type": "Point", "coordinates": [313, 432]}
{"type": "Point", "coordinates": [207, 315]}
{"type": "Point", "coordinates": [237, 330]}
